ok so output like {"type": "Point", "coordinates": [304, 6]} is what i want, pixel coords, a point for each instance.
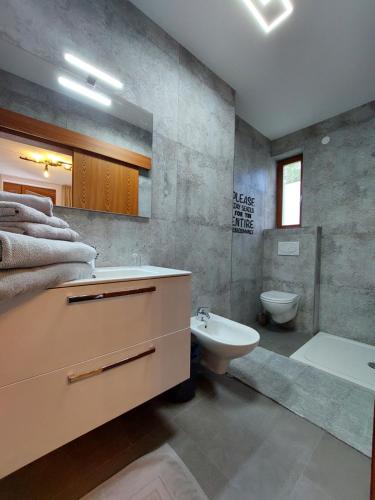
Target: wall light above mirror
{"type": "Point", "coordinates": [92, 71]}
{"type": "Point", "coordinates": [60, 143]}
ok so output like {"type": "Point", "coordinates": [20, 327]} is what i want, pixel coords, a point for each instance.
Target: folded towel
{"type": "Point", "coordinates": [18, 250]}
{"type": "Point", "coordinates": [11, 211]}
{"type": "Point", "coordinates": [19, 281]}
{"type": "Point", "coordinates": [41, 203]}
{"type": "Point", "coordinates": [39, 230]}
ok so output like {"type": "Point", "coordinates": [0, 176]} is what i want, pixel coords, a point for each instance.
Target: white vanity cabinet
{"type": "Point", "coordinates": [74, 357]}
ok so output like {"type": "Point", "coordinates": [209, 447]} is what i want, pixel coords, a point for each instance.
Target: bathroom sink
{"type": "Point", "coordinates": [123, 272]}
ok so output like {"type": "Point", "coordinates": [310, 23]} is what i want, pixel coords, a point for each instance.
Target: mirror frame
{"type": "Point", "coordinates": [23, 125]}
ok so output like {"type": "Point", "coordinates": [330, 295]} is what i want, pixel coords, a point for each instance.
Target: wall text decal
{"type": "Point", "coordinates": [243, 213]}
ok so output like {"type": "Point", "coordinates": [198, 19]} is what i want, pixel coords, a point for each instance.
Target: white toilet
{"type": "Point", "coordinates": [282, 306]}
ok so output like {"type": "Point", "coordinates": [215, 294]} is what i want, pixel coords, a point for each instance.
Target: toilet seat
{"type": "Point", "coordinates": [278, 297]}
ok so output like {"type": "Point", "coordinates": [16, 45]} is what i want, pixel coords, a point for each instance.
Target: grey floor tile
{"type": "Point", "coordinates": [275, 466]}
{"type": "Point", "coordinates": [281, 340]}
{"type": "Point", "coordinates": [236, 444]}
{"type": "Point", "coordinates": [339, 470]}
{"type": "Point", "coordinates": [305, 489]}
{"type": "Point", "coordinates": [203, 423]}
{"type": "Point", "coordinates": [234, 398]}
{"type": "Point", "coordinates": [230, 492]}
{"type": "Point", "coordinates": [203, 469]}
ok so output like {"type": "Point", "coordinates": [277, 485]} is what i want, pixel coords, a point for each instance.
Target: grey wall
{"type": "Point", "coordinates": [295, 274]}
{"type": "Point", "coordinates": [339, 194]}
{"type": "Point", "coordinates": [193, 140]}
{"type": "Point", "coordinates": [254, 175]}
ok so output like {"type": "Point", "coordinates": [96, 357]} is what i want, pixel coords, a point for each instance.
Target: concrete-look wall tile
{"type": "Point", "coordinates": [349, 260]}
{"type": "Point", "coordinates": [164, 177]}
{"type": "Point", "coordinates": [205, 117]}
{"type": "Point", "coordinates": [204, 189]}
{"type": "Point", "coordinates": [348, 312]}
{"type": "Point", "coordinates": [252, 158]}
{"type": "Point", "coordinates": [145, 27]}
{"type": "Point", "coordinates": [247, 254]}
{"type": "Point", "coordinates": [205, 75]}
{"type": "Point", "coordinates": [218, 303]}
{"type": "Point", "coordinates": [245, 301]}
{"type": "Point", "coordinates": [206, 251]}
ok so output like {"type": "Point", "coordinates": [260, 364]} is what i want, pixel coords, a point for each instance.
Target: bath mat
{"type": "Point", "coordinates": [338, 406]}
{"type": "Point", "coordinates": [159, 475]}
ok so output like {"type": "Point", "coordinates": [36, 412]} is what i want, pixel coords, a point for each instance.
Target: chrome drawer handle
{"type": "Point", "coordinates": [109, 295]}
{"type": "Point", "coordinates": [81, 376]}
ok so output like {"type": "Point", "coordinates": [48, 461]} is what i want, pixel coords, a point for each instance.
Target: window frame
{"type": "Point", "coordinates": [280, 165]}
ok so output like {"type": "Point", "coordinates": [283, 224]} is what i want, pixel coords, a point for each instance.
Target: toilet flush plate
{"type": "Point", "coordinates": [288, 248]}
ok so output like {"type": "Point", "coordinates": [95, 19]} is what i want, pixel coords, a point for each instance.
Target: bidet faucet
{"type": "Point", "coordinates": [203, 314]}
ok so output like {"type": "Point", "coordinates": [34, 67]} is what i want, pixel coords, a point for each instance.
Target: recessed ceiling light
{"type": "Point", "coordinates": [267, 27]}
{"type": "Point", "coordinates": [91, 70]}
{"type": "Point", "coordinates": [81, 89]}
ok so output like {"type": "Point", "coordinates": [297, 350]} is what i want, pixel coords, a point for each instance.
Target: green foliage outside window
{"type": "Point", "coordinates": [292, 173]}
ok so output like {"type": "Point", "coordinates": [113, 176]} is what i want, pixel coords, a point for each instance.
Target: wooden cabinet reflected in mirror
{"type": "Point", "coordinates": [74, 170]}
{"type": "Point", "coordinates": [12, 187]}
{"type": "Point", "coordinates": [103, 185]}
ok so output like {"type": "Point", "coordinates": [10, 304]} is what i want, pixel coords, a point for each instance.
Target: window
{"type": "Point", "coordinates": [289, 192]}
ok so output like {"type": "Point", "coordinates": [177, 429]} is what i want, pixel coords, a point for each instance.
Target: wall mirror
{"type": "Point", "coordinates": [89, 149]}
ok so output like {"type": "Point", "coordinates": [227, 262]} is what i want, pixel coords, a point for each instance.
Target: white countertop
{"type": "Point", "coordinates": [125, 273]}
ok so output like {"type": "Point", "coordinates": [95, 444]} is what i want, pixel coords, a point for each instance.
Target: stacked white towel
{"type": "Point", "coordinates": [37, 250]}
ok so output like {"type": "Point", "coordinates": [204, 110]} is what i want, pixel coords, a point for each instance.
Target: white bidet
{"type": "Point", "coordinates": [222, 340]}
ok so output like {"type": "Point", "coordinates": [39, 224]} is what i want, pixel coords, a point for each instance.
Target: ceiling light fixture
{"type": "Point", "coordinates": [46, 172]}
{"type": "Point", "coordinates": [81, 89]}
{"type": "Point", "coordinates": [51, 161]}
{"type": "Point", "coordinates": [91, 70]}
{"type": "Point", "coordinates": [267, 27]}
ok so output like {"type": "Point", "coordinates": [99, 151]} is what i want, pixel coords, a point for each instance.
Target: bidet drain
{"type": "Point", "coordinates": [371, 364]}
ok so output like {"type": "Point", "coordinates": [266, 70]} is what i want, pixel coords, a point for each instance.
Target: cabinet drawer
{"type": "Point", "coordinates": [45, 412]}
{"type": "Point", "coordinates": [48, 332]}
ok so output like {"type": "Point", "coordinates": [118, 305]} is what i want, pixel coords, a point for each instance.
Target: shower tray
{"type": "Point", "coordinates": [349, 359]}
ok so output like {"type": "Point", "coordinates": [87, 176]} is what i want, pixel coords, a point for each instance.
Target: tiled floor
{"type": "Point", "coordinates": [236, 442]}
{"type": "Point", "coordinates": [281, 340]}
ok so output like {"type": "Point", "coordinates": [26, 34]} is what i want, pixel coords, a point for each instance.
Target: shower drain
{"type": "Point", "coordinates": [371, 364]}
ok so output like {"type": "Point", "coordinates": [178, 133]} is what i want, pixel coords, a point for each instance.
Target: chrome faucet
{"type": "Point", "coordinates": [203, 314]}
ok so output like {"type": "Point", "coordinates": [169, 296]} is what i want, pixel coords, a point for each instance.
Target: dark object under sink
{"type": "Point", "coordinates": [185, 391]}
